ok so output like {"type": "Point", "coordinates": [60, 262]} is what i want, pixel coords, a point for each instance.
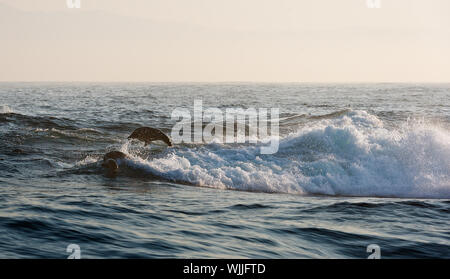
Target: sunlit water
{"type": "Point", "coordinates": [357, 165]}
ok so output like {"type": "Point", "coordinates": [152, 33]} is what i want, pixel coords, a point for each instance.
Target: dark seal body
{"type": "Point", "coordinates": [109, 160]}
{"type": "Point", "coordinates": [147, 135]}
{"type": "Point", "coordinates": [114, 155]}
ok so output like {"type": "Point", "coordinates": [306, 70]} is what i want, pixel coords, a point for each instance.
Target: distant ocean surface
{"type": "Point", "coordinates": [358, 164]}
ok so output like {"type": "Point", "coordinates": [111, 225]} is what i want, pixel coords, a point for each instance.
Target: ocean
{"type": "Point", "coordinates": [357, 165]}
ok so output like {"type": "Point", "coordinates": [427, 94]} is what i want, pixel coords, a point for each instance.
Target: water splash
{"type": "Point", "coordinates": [351, 155]}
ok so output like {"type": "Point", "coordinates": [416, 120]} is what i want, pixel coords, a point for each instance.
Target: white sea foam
{"type": "Point", "coordinates": [352, 155]}
{"type": "Point", "coordinates": [87, 160]}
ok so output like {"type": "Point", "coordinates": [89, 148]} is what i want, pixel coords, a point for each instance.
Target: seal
{"type": "Point", "coordinates": [114, 155]}
{"type": "Point", "coordinates": [110, 160]}
{"type": "Point", "coordinates": [111, 165]}
{"type": "Point", "coordinates": [147, 135]}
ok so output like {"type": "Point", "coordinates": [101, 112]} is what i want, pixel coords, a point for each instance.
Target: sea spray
{"type": "Point", "coordinates": [352, 155]}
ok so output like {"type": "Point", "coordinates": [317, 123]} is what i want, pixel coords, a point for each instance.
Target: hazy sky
{"type": "Point", "coordinates": [225, 40]}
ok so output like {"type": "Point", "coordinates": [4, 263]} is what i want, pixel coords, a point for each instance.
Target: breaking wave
{"type": "Point", "coordinates": [353, 154]}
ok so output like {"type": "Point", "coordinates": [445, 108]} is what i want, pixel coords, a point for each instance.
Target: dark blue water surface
{"type": "Point", "coordinates": [357, 164]}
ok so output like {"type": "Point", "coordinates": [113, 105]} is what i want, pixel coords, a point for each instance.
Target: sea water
{"type": "Point", "coordinates": [357, 164]}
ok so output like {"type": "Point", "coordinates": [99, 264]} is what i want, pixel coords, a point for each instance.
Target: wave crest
{"type": "Point", "coordinates": [353, 154]}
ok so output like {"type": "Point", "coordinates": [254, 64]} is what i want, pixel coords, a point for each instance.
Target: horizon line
{"type": "Point", "coordinates": [230, 81]}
